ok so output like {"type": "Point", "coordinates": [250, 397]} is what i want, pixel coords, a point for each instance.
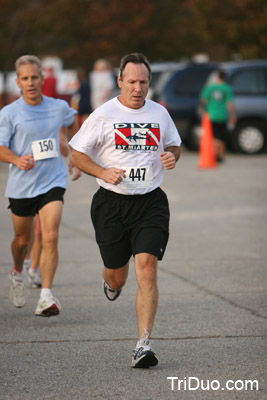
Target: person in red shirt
{"type": "Point", "coordinates": [49, 87]}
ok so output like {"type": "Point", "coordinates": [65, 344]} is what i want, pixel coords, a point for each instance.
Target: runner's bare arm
{"type": "Point", "coordinates": [70, 132]}
{"type": "Point", "coordinates": [87, 165]}
{"type": "Point", "coordinates": [170, 156]}
{"type": "Point", "coordinates": [72, 129]}
{"type": "Point", "coordinates": [25, 162]}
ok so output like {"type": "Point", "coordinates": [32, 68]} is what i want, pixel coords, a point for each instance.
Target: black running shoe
{"type": "Point", "coordinates": [111, 294]}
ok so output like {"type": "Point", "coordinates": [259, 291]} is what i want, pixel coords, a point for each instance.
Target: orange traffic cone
{"type": "Point", "coordinates": [207, 157]}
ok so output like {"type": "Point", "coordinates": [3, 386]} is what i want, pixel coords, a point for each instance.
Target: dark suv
{"type": "Point", "coordinates": [179, 91]}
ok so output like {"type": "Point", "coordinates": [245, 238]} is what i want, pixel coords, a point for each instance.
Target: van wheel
{"type": "Point", "coordinates": [249, 137]}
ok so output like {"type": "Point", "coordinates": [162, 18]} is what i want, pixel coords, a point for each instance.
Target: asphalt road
{"type": "Point", "coordinates": [210, 330]}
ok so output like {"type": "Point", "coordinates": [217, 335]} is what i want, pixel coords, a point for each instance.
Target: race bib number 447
{"type": "Point", "coordinates": [138, 177]}
{"type": "Point", "coordinates": [45, 148]}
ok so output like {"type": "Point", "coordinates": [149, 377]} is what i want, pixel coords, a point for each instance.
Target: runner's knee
{"type": "Point", "coordinates": [22, 241]}
{"type": "Point", "coordinates": [146, 270]}
{"type": "Point", "coordinates": [116, 278]}
{"type": "Point", "coordinates": [116, 282]}
{"type": "Point", "coordinates": [50, 237]}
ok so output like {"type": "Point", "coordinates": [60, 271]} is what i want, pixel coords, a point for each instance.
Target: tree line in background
{"type": "Point", "coordinates": [80, 31]}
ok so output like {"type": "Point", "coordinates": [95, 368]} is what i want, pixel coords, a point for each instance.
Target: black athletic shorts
{"type": "Point", "coordinates": [30, 207]}
{"type": "Point", "coordinates": [126, 225]}
{"type": "Point", "coordinates": [219, 130]}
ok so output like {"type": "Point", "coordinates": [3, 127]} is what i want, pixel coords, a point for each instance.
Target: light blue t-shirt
{"type": "Point", "coordinates": [20, 125]}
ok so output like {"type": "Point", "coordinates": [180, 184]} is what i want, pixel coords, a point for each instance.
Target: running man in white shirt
{"type": "Point", "coordinates": [37, 180]}
{"type": "Point", "coordinates": [126, 144]}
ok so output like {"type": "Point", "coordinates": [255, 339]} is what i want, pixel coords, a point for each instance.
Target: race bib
{"type": "Point", "coordinates": [138, 177]}
{"type": "Point", "coordinates": [45, 148]}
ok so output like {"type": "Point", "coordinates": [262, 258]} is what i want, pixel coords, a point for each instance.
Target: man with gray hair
{"type": "Point", "coordinates": [29, 142]}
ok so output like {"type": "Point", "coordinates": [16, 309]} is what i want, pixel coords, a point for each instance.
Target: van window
{"type": "Point", "coordinates": [249, 82]}
{"type": "Point", "coordinates": [190, 82]}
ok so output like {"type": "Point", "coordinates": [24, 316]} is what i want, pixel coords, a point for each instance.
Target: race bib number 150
{"type": "Point", "coordinates": [138, 177]}
{"type": "Point", "coordinates": [45, 148]}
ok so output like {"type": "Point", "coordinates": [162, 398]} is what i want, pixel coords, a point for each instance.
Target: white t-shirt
{"type": "Point", "coordinates": [129, 139]}
{"type": "Point", "coordinates": [101, 84]}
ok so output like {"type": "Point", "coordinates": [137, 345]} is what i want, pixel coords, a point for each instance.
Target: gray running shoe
{"type": "Point", "coordinates": [18, 291]}
{"type": "Point", "coordinates": [111, 294]}
{"type": "Point", "coordinates": [34, 278]}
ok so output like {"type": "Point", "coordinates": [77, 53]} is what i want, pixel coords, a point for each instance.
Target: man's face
{"type": "Point", "coordinates": [30, 82]}
{"type": "Point", "coordinates": [134, 85]}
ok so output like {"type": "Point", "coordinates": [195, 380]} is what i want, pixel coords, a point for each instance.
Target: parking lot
{"type": "Point", "coordinates": [211, 321]}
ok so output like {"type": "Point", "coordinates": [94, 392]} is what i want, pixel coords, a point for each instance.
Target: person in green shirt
{"type": "Point", "coordinates": [218, 101]}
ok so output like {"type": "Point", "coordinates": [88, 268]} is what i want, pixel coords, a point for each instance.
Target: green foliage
{"type": "Point", "coordinates": [81, 31]}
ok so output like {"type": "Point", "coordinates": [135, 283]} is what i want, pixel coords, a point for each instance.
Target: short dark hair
{"type": "Point", "coordinates": [136, 58]}
{"type": "Point", "coordinates": [221, 74]}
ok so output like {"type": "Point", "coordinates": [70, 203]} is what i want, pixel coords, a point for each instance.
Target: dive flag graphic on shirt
{"type": "Point", "coordinates": [135, 136]}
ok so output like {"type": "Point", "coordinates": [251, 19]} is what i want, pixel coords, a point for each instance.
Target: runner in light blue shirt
{"type": "Point", "coordinates": [22, 124]}
{"type": "Point", "coordinates": [29, 142]}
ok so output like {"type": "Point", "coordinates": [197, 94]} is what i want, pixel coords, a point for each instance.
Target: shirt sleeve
{"type": "Point", "coordinates": [229, 94]}
{"type": "Point", "coordinates": [88, 137]}
{"type": "Point", "coordinates": [6, 128]}
{"type": "Point", "coordinates": [68, 114]}
{"type": "Point", "coordinates": [204, 93]}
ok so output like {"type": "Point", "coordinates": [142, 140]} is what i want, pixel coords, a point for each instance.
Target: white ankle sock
{"type": "Point", "coordinates": [33, 269]}
{"type": "Point", "coordinates": [45, 292]}
{"type": "Point", "coordinates": [144, 340]}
